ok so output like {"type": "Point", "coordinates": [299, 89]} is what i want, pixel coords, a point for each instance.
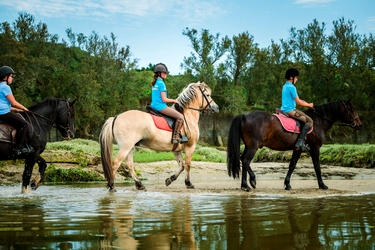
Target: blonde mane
{"type": "Point", "coordinates": [189, 94]}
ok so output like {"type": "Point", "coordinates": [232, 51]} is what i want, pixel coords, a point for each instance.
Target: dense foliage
{"type": "Point", "coordinates": [106, 80]}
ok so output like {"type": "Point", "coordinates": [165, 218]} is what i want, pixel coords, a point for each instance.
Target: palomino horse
{"type": "Point", "coordinates": [261, 129]}
{"type": "Point", "coordinates": [42, 116]}
{"type": "Point", "coordinates": [137, 128]}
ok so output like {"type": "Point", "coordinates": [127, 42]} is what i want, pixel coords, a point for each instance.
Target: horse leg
{"type": "Point", "coordinates": [188, 155]}
{"type": "Point", "coordinates": [29, 164]}
{"type": "Point", "coordinates": [246, 158]}
{"type": "Point", "coordinates": [39, 178]}
{"type": "Point", "coordinates": [180, 163]}
{"type": "Point", "coordinates": [129, 163]}
{"type": "Point", "coordinates": [292, 166]}
{"type": "Point", "coordinates": [315, 155]}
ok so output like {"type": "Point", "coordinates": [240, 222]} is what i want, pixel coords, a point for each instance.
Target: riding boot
{"type": "Point", "coordinates": [24, 149]}
{"type": "Point", "coordinates": [300, 144]}
{"type": "Point", "coordinates": [176, 138]}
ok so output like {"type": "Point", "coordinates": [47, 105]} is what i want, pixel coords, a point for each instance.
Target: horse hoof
{"type": "Point", "coordinates": [191, 186]}
{"type": "Point", "coordinates": [247, 189]}
{"type": "Point", "coordinates": [288, 188]}
{"type": "Point", "coordinates": [324, 187]}
{"type": "Point", "coordinates": [253, 184]}
{"type": "Point", "coordinates": [142, 188]}
{"type": "Point", "coordinates": [168, 182]}
{"type": "Point", "coordinates": [112, 190]}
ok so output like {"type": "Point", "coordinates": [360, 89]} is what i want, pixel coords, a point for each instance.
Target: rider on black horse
{"type": "Point", "coordinates": [8, 104]}
{"type": "Point", "coordinates": [289, 97]}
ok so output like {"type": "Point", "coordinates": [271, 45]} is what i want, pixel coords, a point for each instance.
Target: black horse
{"type": "Point", "coordinates": [42, 116]}
{"type": "Point", "coordinates": [259, 128]}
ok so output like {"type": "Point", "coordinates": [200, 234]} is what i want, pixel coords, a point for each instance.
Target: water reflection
{"type": "Point", "coordinates": [87, 217]}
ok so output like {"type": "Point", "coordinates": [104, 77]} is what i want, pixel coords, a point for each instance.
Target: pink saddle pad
{"type": "Point", "coordinates": [290, 124]}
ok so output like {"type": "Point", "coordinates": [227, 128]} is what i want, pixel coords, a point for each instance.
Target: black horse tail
{"type": "Point", "coordinates": [106, 147]}
{"type": "Point", "coordinates": [233, 147]}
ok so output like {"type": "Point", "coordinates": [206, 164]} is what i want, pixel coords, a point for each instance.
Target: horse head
{"type": "Point", "coordinates": [197, 96]}
{"type": "Point", "coordinates": [65, 118]}
{"type": "Point", "coordinates": [349, 115]}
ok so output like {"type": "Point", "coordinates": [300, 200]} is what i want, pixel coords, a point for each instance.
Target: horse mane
{"type": "Point", "coordinates": [189, 93]}
{"type": "Point", "coordinates": [325, 109]}
{"type": "Point", "coordinates": [46, 102]}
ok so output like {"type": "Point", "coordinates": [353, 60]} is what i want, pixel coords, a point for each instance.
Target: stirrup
{"type": "Point", "coordinates": [184, 139]}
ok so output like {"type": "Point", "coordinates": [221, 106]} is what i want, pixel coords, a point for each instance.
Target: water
{"type": "Point", "coordinates": [88, 217]}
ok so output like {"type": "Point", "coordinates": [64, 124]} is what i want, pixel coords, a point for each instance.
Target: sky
{"type": "Point", "coordinates": [153, 28]}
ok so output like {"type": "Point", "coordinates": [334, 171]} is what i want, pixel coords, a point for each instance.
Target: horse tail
{"type": "Point", "coordinates": [233, 147]}
{"type": "Point", "coordinates": [106, 147]}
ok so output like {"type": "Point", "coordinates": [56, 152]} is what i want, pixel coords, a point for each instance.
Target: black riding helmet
{"type": "Point", "coordinates": [6, 70]}
{"type": "Point", "coordinates": [291, 72]}
{"type": "Point", "coordinates": [161, 67]}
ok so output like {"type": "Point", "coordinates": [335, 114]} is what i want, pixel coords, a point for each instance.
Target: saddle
{"type": "Point", "coordinates": [7, 133]}
{"type": "Point", "coordinates": [162, 121]}
{"type": "Point", "coordinates": [290, 124]}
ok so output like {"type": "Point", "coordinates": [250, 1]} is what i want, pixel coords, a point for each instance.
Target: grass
{"type": "Point", "coordinates": [81, 146]}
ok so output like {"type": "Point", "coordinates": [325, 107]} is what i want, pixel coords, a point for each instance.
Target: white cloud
{"type": "Point", "coordinates": [312, 1]}
{"type": "Point", "coordinates": [188, 10]}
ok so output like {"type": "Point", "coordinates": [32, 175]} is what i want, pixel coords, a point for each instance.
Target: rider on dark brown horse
{"type": "Point", "coordinates": [159, 99]}
{"type": "Point", "coordinates": [8, 103]}
{"type": "Point", "coordinates": [289, 99]}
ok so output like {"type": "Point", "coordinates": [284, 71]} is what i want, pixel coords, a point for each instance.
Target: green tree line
{"type": "Point", "coordinates": [107, 80]}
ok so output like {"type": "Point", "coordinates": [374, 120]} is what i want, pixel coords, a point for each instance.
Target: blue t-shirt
{"type": "Point", "coordinates": [5, 90]}
{"type": "Point", "coordinates": [156, 101]}
{"type": "Point", "coordinates": [288, 95]}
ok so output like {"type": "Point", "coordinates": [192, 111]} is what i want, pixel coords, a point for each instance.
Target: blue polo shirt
{"type": "Point", "coordinates": [156, 101]}
{"type": "Point", "coordinates": [5, 90]}
{"type": "Point", "coordinates": [288, 96]}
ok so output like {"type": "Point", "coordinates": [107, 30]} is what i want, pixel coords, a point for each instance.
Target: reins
{"type": "Point", "coordinates": [67, 129]}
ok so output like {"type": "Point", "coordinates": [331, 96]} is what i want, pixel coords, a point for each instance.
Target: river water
{"type": "Point", "coordinates": [88, 217]}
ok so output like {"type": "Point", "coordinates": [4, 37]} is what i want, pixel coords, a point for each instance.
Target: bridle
{"type": "Point", "coordinates": [66, 128]}
{"type": "Point", "coordinates": [208, 107]}
{"type": "Point", "coordinates": [352, 124]}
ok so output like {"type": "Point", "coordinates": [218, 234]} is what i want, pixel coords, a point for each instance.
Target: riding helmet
{"type": "Point", "coordinates": [160, 67]}
{"type": "Point", "coordinates": [6, 70]}
{"type": "Point", "coordinates": [291, 72]}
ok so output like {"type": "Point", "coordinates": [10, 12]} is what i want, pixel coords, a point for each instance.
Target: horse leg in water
{"type": "Point", "coordinates": [129, 163]}
{"type": "Point", "coordinates": [26, 176]}
{"type": "Point", "coordinates": [181, 164]}
{"type": "Point", "coordinates": [315, 155]}
{"type": "Point", "coordinates": [246, 158]}
{"type": "Point", "coordinates": [292, 166]}
{"type": "Point", "coordinates": [39, 178]}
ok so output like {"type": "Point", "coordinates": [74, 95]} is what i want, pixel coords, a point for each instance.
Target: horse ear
{"type": "Point", "coordinates": [71, 104]}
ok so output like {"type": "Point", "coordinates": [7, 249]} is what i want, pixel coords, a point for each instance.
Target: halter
{"type": "Point", "coordinates": [66, 128]}
{"type": "Point", "coordinates": [204, 96]}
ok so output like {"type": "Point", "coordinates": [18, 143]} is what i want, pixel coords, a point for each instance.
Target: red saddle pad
{"type": "Point", "coordinates": [161, 123]}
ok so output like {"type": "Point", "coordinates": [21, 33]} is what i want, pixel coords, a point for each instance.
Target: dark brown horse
{"type": "Point", "coordinates": [260, 129]}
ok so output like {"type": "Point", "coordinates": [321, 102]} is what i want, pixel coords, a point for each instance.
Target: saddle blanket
{"type": "Point", "coordinates": [161, 123]}
{"type": "Point", "coordinates": [290, 124]}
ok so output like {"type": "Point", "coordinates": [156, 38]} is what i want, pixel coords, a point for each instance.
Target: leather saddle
{"type": "Point", "coordinates": [7, 133]}
{"type": "Point", "coordinates": [170, 120]}
{"type": "Point", "coordinates": [290, 124]}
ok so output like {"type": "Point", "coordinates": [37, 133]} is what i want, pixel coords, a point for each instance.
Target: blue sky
{"type": "Point", "coordinates": [153, 28]}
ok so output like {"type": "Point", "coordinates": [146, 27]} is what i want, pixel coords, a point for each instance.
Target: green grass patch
{"type": "Point", "coordinates": [346, 155]}
{"type": "Point", "coordinates": [71, 175]}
